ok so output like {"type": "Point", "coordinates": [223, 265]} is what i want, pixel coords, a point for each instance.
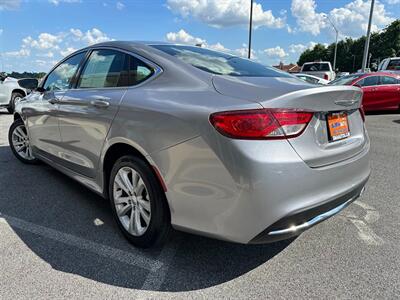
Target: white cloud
{"type": "Point", "coordinates": [48, 54]}
{"type": "Point", "coordinates": [45, 41]}
{"type": "Point", "coordinates": [9, 4]}
{"type": "Point", "coordinates": [300, 48]}
{"type": "Point", "coordinates": [276, 52]}
{"type": "Point", "coordinates": [184, 38]}
{"type": "Point", "coordinates": [224, 13]}
{"type": "Point", "coordinates": [120, 5]}
{"type": "Point", "coordinates": [307, 18]}
{"type": "Point", "coordinates": [57, 2]}
{"type": "Point", "coordinates": [392, 2]}
{"type": "Point", "coordinates": [67, 51]}
{"type": "Point", "coordinates": [76, 32]}
{"type": "Point", "coordinates": [50, 47]}
{"type": "Point", "coordinates": [351, 19]}
{"type": "Point", "coordinates": [20, 53]}
{"type": "Point", "coordinates": [95, 36]}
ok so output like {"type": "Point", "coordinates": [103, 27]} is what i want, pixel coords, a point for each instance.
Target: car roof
{"type": "Point", "coordinates": [392, 74]}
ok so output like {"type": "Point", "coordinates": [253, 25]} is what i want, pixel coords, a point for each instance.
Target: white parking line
{"type": "Point", "coordinates": [155, 279]}
{"type": "Point", "coordinates": [133, 257]}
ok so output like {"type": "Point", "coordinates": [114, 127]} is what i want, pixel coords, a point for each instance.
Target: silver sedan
{"type": "Point", "coordinates": [202, 141]}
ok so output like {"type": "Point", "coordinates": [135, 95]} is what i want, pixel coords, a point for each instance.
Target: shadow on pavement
{"type": "Point", "coordinates": [382, 112]}
{"type": "Point", "coordinates": [45, 198]}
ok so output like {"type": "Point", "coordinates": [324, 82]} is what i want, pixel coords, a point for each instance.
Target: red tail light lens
{"type": "Point", "coordinates": [261, 124]}
{"type": "Point", "coordinates": [326, 77]}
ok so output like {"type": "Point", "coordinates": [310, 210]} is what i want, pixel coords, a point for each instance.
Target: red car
{"type": "Point", "coordinates": [381, 89]}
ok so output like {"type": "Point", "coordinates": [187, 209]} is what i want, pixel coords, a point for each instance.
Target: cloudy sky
{"type": "Point", "coordinates": [35, 34]}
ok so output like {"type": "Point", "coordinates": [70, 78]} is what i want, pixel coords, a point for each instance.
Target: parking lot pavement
{"type": "Point", "coordinates": [58, 240]}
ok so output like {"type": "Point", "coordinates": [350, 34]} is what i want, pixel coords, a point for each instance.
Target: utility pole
{"type": "Point", "coordinates": [336, 43]}
{"type": "Point", "coordinates": [366, 47]}
{"type": "Point", "coordinates": [250, 27]}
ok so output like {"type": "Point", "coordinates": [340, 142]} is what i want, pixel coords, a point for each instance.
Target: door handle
{"type": "Point", "coordinates": [100, 103]}
{"type": "Point", "coordinates": [54, 101]}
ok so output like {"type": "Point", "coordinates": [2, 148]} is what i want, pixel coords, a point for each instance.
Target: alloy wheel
{"type": "Point", "coordinates": [132, 201]}
{"type": "Point", "coordinates": [21, 143]}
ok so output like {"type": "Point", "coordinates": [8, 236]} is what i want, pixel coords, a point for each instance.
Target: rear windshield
{"type": "Point", "coordinates": [315, 67]}
{"type": "Point", "coordinates": [219, 63]}
{"type": "Point", "coordinates": [394, 64]}
{"type": "Point", "coordinates": [345, 80]}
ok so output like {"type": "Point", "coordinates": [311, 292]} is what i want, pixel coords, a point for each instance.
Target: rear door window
{"type": "Point", "coordinates": [389, 80]}
{"type": "Point", "coordinates": [102, 70]}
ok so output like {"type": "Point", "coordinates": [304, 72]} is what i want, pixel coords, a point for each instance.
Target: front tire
{"type": "Point", "coordinates": [18, 139]}
{"type": "Point", "coordinates": [138, 202]}
{"type": "Point", "coordinates": [16, 96]}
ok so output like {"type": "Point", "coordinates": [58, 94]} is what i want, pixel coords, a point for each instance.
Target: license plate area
{"type": "Point", "coordinates": [338, 126]}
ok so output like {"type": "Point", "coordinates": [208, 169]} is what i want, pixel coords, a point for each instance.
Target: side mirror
{"type": "Point", "coordinates": [29, 84]}
{"type": "Point", "coordinates": [40, 90]}
{"type": "Point", "coordinates": [357, 85]}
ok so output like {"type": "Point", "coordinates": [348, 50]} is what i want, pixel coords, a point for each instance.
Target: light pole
{"type": "Point", "coordinates": [337, 35]}
{"type": "Point", "coordinates": [250, 27]}
{"type": "Point", "coordinates": [366, 47]}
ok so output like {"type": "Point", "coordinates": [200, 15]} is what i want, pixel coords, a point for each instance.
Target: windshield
{"type": "Point", "coordinates": [315, 67]}
{"type": "Point", "coordinates": [345, 80]}
{"type": "Point", "coordinates": [219, 63]}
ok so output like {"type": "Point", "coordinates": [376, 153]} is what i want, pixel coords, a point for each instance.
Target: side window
{"type": "Point", "coordinates": [60, 78]}
{"type": "Point", "coordinates": [389, 80]}
{"type": "Point", "coordinates": [136, 71]}
{"type": "Point", "coordinates": [369, 81]}
{"type": "Point", "coordinates": [103, 69]}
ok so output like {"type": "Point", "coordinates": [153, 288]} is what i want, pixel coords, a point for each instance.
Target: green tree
{"type": "Point", "coordinates": [350, 52]}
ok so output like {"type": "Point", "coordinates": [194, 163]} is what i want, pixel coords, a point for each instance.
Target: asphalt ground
{"type": "Point", "coordinates": [58, 240]}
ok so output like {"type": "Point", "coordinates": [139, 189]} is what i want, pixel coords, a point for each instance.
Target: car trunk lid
{"type": "Point", "coordinates": [313, 145]}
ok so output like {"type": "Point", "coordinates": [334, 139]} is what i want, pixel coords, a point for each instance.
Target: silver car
{"type": "Point", "coordinates": [197, 140]}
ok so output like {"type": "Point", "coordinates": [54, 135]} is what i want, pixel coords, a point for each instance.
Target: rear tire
{"type": "Point", "coordinates": [136, 196]}
{"type": "Point", "coordinates": [18, 139]}
{"type": "Point", "coordinates": [14, 97]}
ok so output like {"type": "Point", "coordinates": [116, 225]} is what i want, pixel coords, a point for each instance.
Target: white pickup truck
{"type": "Point", "coordinates": [390, 64]}
{"type": "Point", "coordinates": [321, 69]}
{"type": "Point", "coordinates": [11, 91]}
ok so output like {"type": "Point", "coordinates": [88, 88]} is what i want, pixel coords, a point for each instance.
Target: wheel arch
{"type": "Point", "coordinates": [22, 92]}
{"type": "Point", "coordinates": [119, 149]}
{"type": "Point", "coordinates": [17, 116]}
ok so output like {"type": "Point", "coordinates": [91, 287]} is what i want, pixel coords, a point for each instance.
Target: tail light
{"type": "Point", "coordinates": [326, 76]}
{"type": "Point", "coordinates": [362, 113]}
{"type": "Point", "coordinates": [261, 124]}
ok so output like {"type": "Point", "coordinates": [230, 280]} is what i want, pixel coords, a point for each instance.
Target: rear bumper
{"type": "Point", "coordinates": [239, 190]}
{"type": "Point", "coordinates": [295, 224]}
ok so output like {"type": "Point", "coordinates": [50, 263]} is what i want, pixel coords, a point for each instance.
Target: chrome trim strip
{"type": "Point", "coordinates": [316, 219]}
{"type": "Point", "coordinates": [346, 102]}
